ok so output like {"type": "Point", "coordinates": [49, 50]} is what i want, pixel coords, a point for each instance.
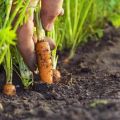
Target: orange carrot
{"type": "Point", "coordinates": [44, 61]}
{"type": "Point", "coordinates": [56, 75]}
{"type": "Point", "coordinates": [9, 89]}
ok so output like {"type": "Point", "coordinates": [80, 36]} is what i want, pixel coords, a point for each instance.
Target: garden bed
{"type": "Point", "coordinates": [89, 89]}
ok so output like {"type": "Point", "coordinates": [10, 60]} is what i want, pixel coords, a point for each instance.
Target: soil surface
{"type": "Point", "coordinates": [89, 88]}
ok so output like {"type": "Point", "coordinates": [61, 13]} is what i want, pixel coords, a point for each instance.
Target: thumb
{"type": "Point", "coordinates": [50, 9]}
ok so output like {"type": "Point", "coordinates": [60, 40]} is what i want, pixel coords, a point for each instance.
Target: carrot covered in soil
{"type": "Point", "coordinates": [43, 52]}
{"type": "Point", "coordinates": [46, 71]}
{"type": "Point", "coordinates": [44, 61]}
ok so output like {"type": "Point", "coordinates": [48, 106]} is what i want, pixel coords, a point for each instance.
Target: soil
{"type": "Point", "coordinates": [89, 87]}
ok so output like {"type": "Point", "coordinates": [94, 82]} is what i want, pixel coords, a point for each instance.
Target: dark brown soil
{"type": "Point", "coordinates": [89, 89]}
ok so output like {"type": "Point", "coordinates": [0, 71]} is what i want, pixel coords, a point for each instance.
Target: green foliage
{"type": "Point", "coordinates": [7, 37]}
{"type": "Point", "coordinates": [72, 28]}
{"type": "Point", "coordinates": [25, 75]}
{"type": "Point", "coordinates": [2, 12]}
{"type": "Point", "coordinates": [98, 102]}
{"type": "Point", "coordinates": [114, 16]}
{"type": "Point", "coordinates": [85, 19]}
{"type": "Point", "coordinates": [109, 9]}
{"type": "Point", "coordinates": [115, 19]}
{"type": "Point", "coordinates": [8, 33]}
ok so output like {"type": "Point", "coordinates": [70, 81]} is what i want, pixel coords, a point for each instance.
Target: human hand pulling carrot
{"type": "Point", "coordinates": [50, 9]}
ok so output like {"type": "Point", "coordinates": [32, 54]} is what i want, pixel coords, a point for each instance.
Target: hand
{"type": "Point", "coordinates": [50, 9]}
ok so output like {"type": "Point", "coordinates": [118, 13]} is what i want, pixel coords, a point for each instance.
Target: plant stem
{"type": "Point", "coordinates": [8, 60]}
{"type": "Point", "coordinates": [39, 29]}
{"type": "Point", "coordinates": [22, 15]}
{"type": "Point", "coordinates": [19, 5]}
{"type": "Point", "coordinates": [68, 17]}
{"type": "Point", "coordinates": [80, 29]}
{"type": "Point", "coordinates": [8, 9]}
{"type": "Point", "coordinates": [8, 66]}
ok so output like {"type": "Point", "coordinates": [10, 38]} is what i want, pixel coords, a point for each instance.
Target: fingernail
{"type": "Point", "coordinates": [51, 43]}
{"type": "Point", "coordinates": [62, 12]}
{"type": "Point", "coordinates": [49, 27]}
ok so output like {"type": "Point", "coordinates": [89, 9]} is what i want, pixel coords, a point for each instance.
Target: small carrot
{"type": "Point", "coordinates": [56, 75]}
{"type": "Point", "coordinates": [44, 61]}
{"type": "Point", "coordinates": [9, 89]}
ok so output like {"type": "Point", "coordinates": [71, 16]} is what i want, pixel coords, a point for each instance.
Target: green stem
{"type": "Point", "coordinates": [83, 19]}
{"type": "Point", "coordinates": [69, 17]}
{"type": "Point", "coordinates": [8, 66]}
{"type": "Point", "coordinates": [75, 16]}
{"type": "Point", "coordinates": [21, 16]}
{"type": "Point", "coordinates": [19, 5]}
{"type": "Point", "coordinates": [78, 15]}
{"type": "Point", "coordinates": [80, 29]}
{"type": "Point", "coordinates": [8, 60]}
{"type": "Point", "coordinates": [39, 29]}
{"type": "Point", "coordinates": [8, 9]}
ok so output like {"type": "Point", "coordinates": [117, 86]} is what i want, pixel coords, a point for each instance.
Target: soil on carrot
{"type": "Point", "coordinates": [89, 87]}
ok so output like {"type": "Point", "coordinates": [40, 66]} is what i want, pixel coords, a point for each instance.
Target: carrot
{"type": "Point", "coordinates": [46, 71]}
{"type": "Point", "coordinates": [66, 61]}
{"type": "Point", "coordinates": [9, 89]}
{"type": "Point", "coordinates": [44, 61]}
{"type": "Point", "coordinates": [56, 75]}
{"type": "Point", "coordinates": [43, 51]}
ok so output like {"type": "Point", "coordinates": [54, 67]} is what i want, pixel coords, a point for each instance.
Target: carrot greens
{"type": "Point", "coordinates": [8, 33]}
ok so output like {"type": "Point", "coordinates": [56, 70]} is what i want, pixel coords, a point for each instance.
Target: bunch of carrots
{"type": "Point", "coordinates": [47, 74]}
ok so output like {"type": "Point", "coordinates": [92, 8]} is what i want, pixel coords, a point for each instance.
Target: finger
{"type": "Point", "coordinates": [51, 43]}
{"type": "Point", "coordinates": [50, 9]}
{"type": "Point", "coordinates": [62, 12]}
{"type": "Point", "coordinates": [49, 40]}
{"type": "Point", "coordinates": [25, 41]}
{"type": "Point", "coordinates": [25, 44]}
